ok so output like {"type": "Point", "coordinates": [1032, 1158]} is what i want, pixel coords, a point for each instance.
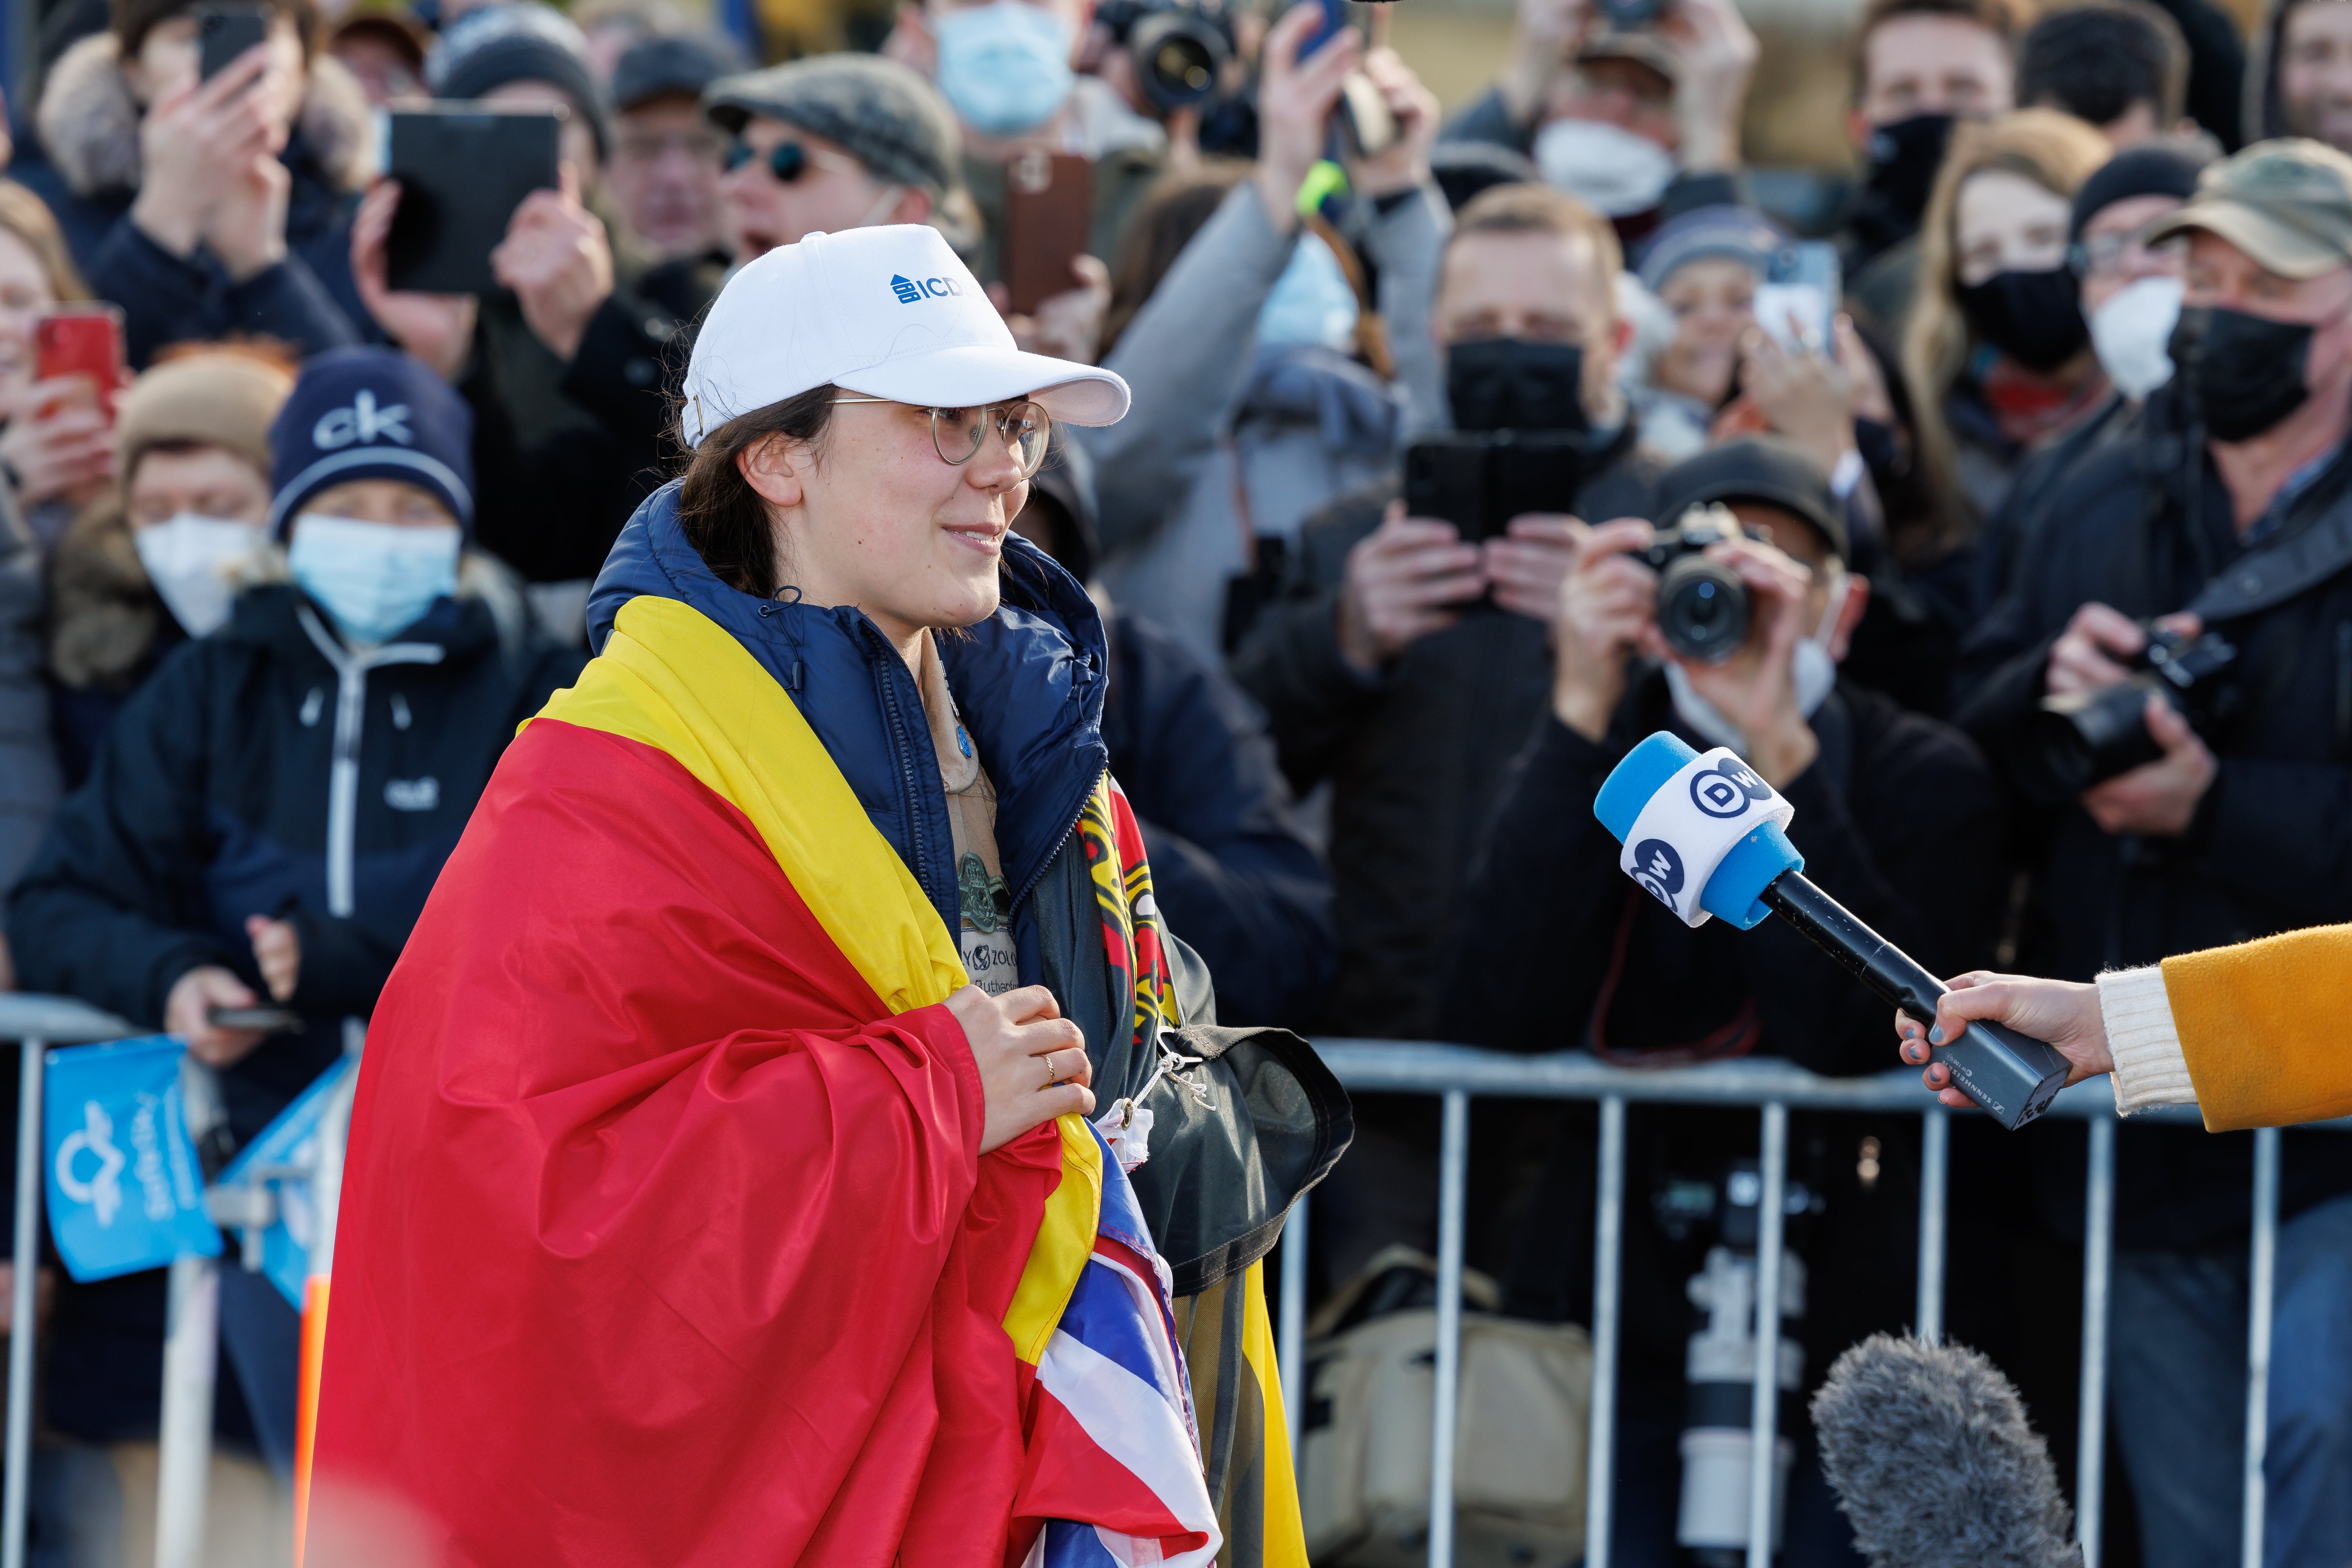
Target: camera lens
{"type": "Point", "coordinates": [1702, 609]}
{"type": "Point", "coordinates": [1177, 56]}
{"type": "Point", "coordinates": [2086, 738]}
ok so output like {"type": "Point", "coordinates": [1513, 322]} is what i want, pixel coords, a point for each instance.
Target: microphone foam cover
{"type": "Point", "coordinates": [1639, 774]}
{"type": "Point", "coordinates": [1928, 1450]}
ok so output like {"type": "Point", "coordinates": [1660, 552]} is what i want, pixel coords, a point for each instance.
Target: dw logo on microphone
{"type": "Point", "coordinates": [1725, 790]}
{"type": "Point", "coordinates": [1657, 868]}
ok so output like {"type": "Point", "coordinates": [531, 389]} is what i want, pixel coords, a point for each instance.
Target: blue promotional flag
{"type": "Point", "coordinates": [125, 1192]}
{"type": "Point", "coordinates": [281, 1159]}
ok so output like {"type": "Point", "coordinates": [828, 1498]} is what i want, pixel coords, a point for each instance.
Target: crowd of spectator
{"type": "Point", "coordinates": [274, 600]}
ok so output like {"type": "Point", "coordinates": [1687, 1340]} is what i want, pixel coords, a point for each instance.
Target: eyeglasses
{"type": "Point", "coordinates": [790, 160]}
{"type": "Point", "coordinates": [646, 146]}
{"type": "Point", "coordinates": [2098, 253]}
{"type": "Point", "coordinates": [957, 433]}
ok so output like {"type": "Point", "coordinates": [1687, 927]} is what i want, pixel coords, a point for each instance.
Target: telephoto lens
{"type": "Point", "coordinates": [1702, 609]}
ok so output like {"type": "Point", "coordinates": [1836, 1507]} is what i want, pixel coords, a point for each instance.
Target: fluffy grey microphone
{"type": "Point", "coordinates": [1928, 1450]}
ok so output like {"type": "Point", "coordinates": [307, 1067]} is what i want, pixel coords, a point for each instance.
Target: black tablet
{"type": "Point", "coordinates": [463, 170]}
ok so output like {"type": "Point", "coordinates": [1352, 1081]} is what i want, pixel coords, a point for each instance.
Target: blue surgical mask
{"type": "Point", "coordinates": [1005, 66]}
{"type": "Point", "coordinates": [376, 579]}
{"type": "Point", "coordinates": [1312, 301]}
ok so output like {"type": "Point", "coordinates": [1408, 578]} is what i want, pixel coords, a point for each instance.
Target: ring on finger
{"type": "Point", "coordinates": [1051, 1077]}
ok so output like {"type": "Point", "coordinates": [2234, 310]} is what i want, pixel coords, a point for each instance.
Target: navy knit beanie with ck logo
{"type": "Point", "coordinates": [371, 413]}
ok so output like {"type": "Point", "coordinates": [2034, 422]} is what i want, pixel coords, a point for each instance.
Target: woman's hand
{"type": "Point", "coordinates": [1033, 1061]}
{"type": "Point", "coordinates": [2063, 1015]}
{"type": "Point", "coordinates": [57, 442]}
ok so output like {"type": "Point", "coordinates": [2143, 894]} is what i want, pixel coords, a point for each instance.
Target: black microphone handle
{"type": "Point", "coordinates": [2012, 1076]}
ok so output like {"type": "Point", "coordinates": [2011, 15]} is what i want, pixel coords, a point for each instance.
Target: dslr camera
{"type": "Point", "coordinates": [1702, 608]}
{"type": "Point", "coordinates": [1180, 47]}
{"type": "Point", "coordinates": [2088, 737]}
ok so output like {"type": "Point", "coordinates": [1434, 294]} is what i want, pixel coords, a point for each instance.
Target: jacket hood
{"type": "Point", "coordinates": [1353, 411]}
{"type": "Point", "coordinates": [1030, 680]}
{"type": "Point", "coordinates": [90, 123]}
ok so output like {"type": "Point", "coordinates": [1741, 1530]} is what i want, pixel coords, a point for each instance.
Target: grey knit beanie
{"type": "Point", "coordinates": [485, 49]}
{"type": "Point", "coordinates": [878, 111]}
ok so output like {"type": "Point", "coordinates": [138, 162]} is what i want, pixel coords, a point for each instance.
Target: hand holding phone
{"type": "Point", "coordinates": [82, 343]}
{"type": "Point", "coordinates": [1796, 302]}
{"type": "Point", "coordinates": [463, 170]}
{"type": "Point", "coordinates": [225, 32]}
{"type": "Point", "coordinates": [1297, 94]}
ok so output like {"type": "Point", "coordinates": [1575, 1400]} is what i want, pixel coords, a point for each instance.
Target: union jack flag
{"type": "Point", "coordinates": [1112, 1440]}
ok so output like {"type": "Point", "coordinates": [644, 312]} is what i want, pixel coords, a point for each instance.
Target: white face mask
{"type": "Point", "coordinates": [190, 560]}
{"type": "Point", "coordinates": [2132, 334]}
{"type": "Point", "coordinates": [374, 578]}
{"type": "Point", "coordinates": [1618, 172]}
{"type": "Point", "coordinates": [1812, 671]}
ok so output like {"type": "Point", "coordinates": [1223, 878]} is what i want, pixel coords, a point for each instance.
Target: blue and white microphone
{"type": "Point", "coordinates": [1709, 838]}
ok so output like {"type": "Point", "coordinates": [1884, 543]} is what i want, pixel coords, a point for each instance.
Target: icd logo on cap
{"type": "Point", "coordinates": [911, 289]}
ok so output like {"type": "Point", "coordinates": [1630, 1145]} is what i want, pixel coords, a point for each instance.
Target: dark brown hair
{"type": "Point", "coordinates": [724, 518]}
{"type": "Point", "coordinates": [133, 20]}
{"type": "Point", "coordinates": [1176, 207]}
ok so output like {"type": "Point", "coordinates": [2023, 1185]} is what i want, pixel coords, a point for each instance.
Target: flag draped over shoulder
{"type": "Point", "coordinates": [665, 1239]}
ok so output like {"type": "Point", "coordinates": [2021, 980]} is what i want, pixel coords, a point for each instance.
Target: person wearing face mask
{"type": "Point", "coordinates": [1556, 950]}
{"type": "Point", "coordinates": [2131, 300]}
{"type": "Point", "coordinates": [1405, 665]}
{"type": "Point", "coordinates": [2233, 832]}
{"type": "Point", "coordinates": [1998, 354]}
{"type": "Point", "coordinates": [207, 208]}
{"type": "Point", "coordinates": [1203, 496]}
{"type": "Point", "coordinates": [160, 557]}
{"type": "Point", "coordinates": [267, 813]}
{"type": "Point", "coordinates": [1920, 67]}
{"type": "Point", "coordinates": [1007, 68]}
{"type": "Point", "coordinates": [1639, 122]}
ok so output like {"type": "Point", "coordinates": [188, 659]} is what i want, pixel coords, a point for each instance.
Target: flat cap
{"type": "Point", "coordinates": [878, 111]}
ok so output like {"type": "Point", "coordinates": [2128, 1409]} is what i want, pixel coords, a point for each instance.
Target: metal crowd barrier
{"type": "Point", "coordinates": [37, 1023]}
{"type": "Point", "coordinates": [1455, 1073]}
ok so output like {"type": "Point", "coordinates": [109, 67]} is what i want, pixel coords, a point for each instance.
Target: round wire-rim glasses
{"type": "Point", "coordinates": [957, 433]}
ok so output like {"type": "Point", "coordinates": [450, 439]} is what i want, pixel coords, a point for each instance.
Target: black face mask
{"type": "Point", "coordinates": [2034, 317]}
{"type": "Point", "coordinates": [2243, 373]}
{"type": "Point", "coordinates": [1903, 157]}
{"type": "Point", "coordinates": [1511, 383]}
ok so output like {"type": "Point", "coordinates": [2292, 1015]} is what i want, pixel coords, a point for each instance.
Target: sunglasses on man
{"type": "Point", "coordinates": [787, 161]}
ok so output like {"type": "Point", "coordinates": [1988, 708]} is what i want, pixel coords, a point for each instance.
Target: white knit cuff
{"type": "Point", "coordinates": [2149, 1067]}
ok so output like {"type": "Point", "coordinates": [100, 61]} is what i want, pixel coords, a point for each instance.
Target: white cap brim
{"type": "Point", "coordinates": [974, 376]}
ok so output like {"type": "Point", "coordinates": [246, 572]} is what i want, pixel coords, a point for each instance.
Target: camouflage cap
{"type": "Point", "coordinates": [2286, 204]}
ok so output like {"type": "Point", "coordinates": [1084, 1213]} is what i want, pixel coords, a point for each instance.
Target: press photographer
{"type": "Point", "coordinates": [1557, 950]}
{"type": "Point", "coordinates": [2225, 510]}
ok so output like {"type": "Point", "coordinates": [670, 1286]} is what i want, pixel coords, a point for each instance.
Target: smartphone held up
{"type": "Point", "coordinates": [1365, 124]}
{"type": "Point", "coordinates": [82, 343]}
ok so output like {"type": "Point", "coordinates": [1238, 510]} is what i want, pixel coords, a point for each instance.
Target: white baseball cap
{"type": "Point", "coordinates": [887, 312]}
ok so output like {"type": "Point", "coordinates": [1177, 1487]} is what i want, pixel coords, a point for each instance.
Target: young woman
{"type": "Point", "coordinates": [1998, 353]}
{"type": "Point", "coordinates": [717, 1188]}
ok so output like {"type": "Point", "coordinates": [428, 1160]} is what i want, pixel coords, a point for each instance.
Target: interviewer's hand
{"type": "Point", "coordinates": [1033, 1061]}
{"type": "Point", "coordinates": [2064, 1014]}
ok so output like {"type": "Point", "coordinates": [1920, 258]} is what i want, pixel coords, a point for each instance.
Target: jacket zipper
{"type": "Point", "coordinates": [909, 780]}
{"type": "Point", "coordinates": [350, 721]}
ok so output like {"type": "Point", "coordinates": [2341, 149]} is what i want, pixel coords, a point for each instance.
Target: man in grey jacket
{"type": "Point", "coordinates": [1237, 437]}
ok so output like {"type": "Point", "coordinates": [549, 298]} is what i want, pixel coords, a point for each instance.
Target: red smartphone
{"type": "Point", "coordinates": [1048, 209]}
{"type": "Point", "coordinates": [84, 340]}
